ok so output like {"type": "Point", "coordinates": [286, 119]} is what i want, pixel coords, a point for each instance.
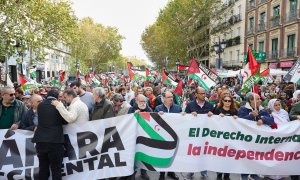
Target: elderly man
{"type": "Point", "coordinates": [121, 106]}
{"type": "Point", "coordinates": [85, 97]}
{"type": "Point", "coordinates": [253, 111]}
{"type": "Point", "coordinates": [103, 108]}
{"type": "Point", "coordinates": [77, 110]}
{"type": "Point", "coordinates": [30, 120]}
{"type": "Point", "coordinates": [11, 110]}
{"type": "Point", "coordinates": [140, 106]}
{"type": "Point", "coordinates": [199, 106]}
{"type": "Point", "coordinates": [168, 106]}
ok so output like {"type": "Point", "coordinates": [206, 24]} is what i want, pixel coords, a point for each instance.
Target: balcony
{"type": "Point", "coordinates": [251, 4]}
{"type": "Point", "coordinates": [233, 41]}
{"type": "Point", "coordinates": [250, 32]}
{"type": "Point", "coordinates": [289, 52]}
{"type": "Point", "coordinates": [273, 55]}
{"type": "Point", "coordinates": [261, 27]}
{"type": "Point", "coordinates": [292, 16]}
{"type": "Point", "coordinates": [275, 21]}
{"type": "Point", "coordinates": [235, 19]}
{"type": "Point", "coordinates": [262, 1]}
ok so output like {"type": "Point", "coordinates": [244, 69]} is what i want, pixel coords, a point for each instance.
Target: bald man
{"type": "Point", "coordinates": [30, 121]}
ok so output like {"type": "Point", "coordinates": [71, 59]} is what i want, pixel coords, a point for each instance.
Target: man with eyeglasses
{"type": "Point", "coordinates": [11, 110]}
{"type": "Point", "coordinates": [199, 106]}
{"type": "Point", "coordinates": [168, 106]}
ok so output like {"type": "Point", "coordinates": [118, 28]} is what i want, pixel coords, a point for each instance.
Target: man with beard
{"type": "Point", "coordinates": [77, 111]}
{"type": "Point", "coordinates": [85, 97]}
{"type": "Point", "coordinates": [11, 110]}
{"type": "Point", "coordinates": [103, 108]}
{"type": "Point", "coordinates": [140, 106]}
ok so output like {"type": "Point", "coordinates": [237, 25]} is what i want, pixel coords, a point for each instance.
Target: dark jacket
{"type": "Point", "coordinates": [102, 110]}
{"type": "Point", "coordinates": [194, 107]}
{"type": "Point", "coordinates": [173, 109]}
{"type": "Point", "coordinates": [19, 111]}
{"type": "Point", "coordinates": [27, 122]}
{"type": "Point", "coordinates": [49, 128]}
{"type": "Point", "coordinates": [135, 107]}
{"type": "Point", "coordinates": [295, 111]}
{"type": "Point", "coordinates": [264, 115]}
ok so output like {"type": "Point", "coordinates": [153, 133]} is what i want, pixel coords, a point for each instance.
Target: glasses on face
{"type": "Point", "coordinates": [12, 94]}
{"type": "Point", "coordinates": [227, 100]}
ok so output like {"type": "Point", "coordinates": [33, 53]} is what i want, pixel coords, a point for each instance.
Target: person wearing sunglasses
{"type": "Point", "coordinates": [11, 109]}
{"type": "Point", "coordinates": [226, 107]}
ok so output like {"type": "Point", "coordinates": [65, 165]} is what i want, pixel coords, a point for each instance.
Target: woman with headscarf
{"type": "Point", "coordinates": [280, 115]}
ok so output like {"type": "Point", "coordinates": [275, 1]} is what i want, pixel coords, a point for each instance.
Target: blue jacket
{"type": "Point", "coordinates": [173, 109]}
{"type": "Point", "coordinates": [194, 107]}
{"type": "Point", "coordinates": [27, 122]}
{"type": "Point", "coordinates": [264, 115]}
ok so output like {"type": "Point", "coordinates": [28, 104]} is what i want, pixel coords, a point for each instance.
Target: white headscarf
{"type": "Point", "coordinates": [295, 95]}
{"type": "Point", "coordinates": [281, 116]}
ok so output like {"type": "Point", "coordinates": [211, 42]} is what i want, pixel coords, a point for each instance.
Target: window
{"type": "Point", "coordinates": [262, 17]}
{"type": "Point", "coordinates": [293, 6]}
{"type": "Point", "coordinates": [276, 10]}
{"type": "Point", "coordinates": [237, 55]}
{"type": "Point", "coordinates": [261, 46]}
{"type": "Point", "coordinates": [275, 46]}
{"type": "Point", "coordinates": [251, 23]}
{"type": "Point", "coordinates": [291, 42]}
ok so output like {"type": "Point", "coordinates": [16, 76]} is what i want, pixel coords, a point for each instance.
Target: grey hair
{"type": "Point", "coordinates": [4, 89]}
{"type": "Point", "coordinates": [140, 96]}
{"type": "Point", "coordinates": [99, 91]}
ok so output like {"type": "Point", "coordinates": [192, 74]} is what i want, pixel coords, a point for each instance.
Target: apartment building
{"type": "Point", "coordinates": [231, 30]}
{"type": "Point", "coordinates": [273, 26]}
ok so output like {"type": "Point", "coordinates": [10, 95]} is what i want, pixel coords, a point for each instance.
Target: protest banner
{"type": "Point", "coordinates": [166, 143]}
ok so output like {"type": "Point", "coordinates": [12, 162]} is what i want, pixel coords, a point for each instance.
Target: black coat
{"type": "Point", "coordinates": [49, 128]}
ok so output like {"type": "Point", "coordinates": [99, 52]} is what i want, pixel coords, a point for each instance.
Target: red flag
{"type": "Point", "coordinates": [181, 68]}
{"type": "Point", "coordinates": [255, 89]}
{"type": "Point", "coordinates": [22, 79]}
{"type": "Point", "coordinates": [86, 78]}
{"type": "Point", "coordinates": [62, 76]}
{"type": "Point", "coordinates": [253, 65]}
{"type": "Point", "coordinates": [131, 73]}
{"type": "Point", "coordinates": [178, 89]}
{"type": "Point", "coordinates": [164, 76]}
{"type": "Point", "coordinates": [147, 72]}
{"type": "Point", "coordinates": [265, 72]}
{"type": "Point", "coordinates": [193, 68]}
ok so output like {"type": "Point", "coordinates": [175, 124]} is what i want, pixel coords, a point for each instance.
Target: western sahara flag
{"type": "Point", "coordinates": [157, 143]}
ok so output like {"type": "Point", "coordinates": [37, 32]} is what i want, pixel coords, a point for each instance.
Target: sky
{"type": "Point", "coordinates": [131, 17]}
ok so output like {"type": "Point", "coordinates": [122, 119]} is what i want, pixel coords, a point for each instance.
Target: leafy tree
{"type": "Point", "coordinates": [174, 30]}
{"type": "Point", "coordinates": [95, 45]}
{"type": "Point", "coordinates": [35, 25]}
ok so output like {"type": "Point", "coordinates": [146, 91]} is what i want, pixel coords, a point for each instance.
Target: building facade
{"type": "Point", "coordinates": [230, 29]}
{"type": "Point", "coordinates": [55, 60]}
{"type": "Point", "coordinates": [273, 27]}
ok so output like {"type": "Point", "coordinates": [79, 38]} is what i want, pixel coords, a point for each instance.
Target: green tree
{"type": "Point", "coordinates": [174, 30]}
{"type": "Point", "coordinates": [35, 25]}
{"type": "Point", "coordinates": [95, 45]}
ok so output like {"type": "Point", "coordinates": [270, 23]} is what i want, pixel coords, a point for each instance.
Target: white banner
{"type": "Point", "coordinates": [98, 149]}
{"type": "Point", "coordinates": [169, 142]}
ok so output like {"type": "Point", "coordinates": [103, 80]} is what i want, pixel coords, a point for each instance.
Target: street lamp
{"type": "Point", "coordinates": [20, 54]}
{"type": "Point", "coordinates": [177, 65]}
{"type": "Point", "coordinates": [77, 63]}
{"type": "Point", "coordinates": [166, 60]}
{"type": "Point", "coordinates": [219, 49]}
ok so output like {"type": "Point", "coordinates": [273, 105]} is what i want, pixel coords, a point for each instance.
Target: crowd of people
{"type": "Point", "coordinates": [47, 109]}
